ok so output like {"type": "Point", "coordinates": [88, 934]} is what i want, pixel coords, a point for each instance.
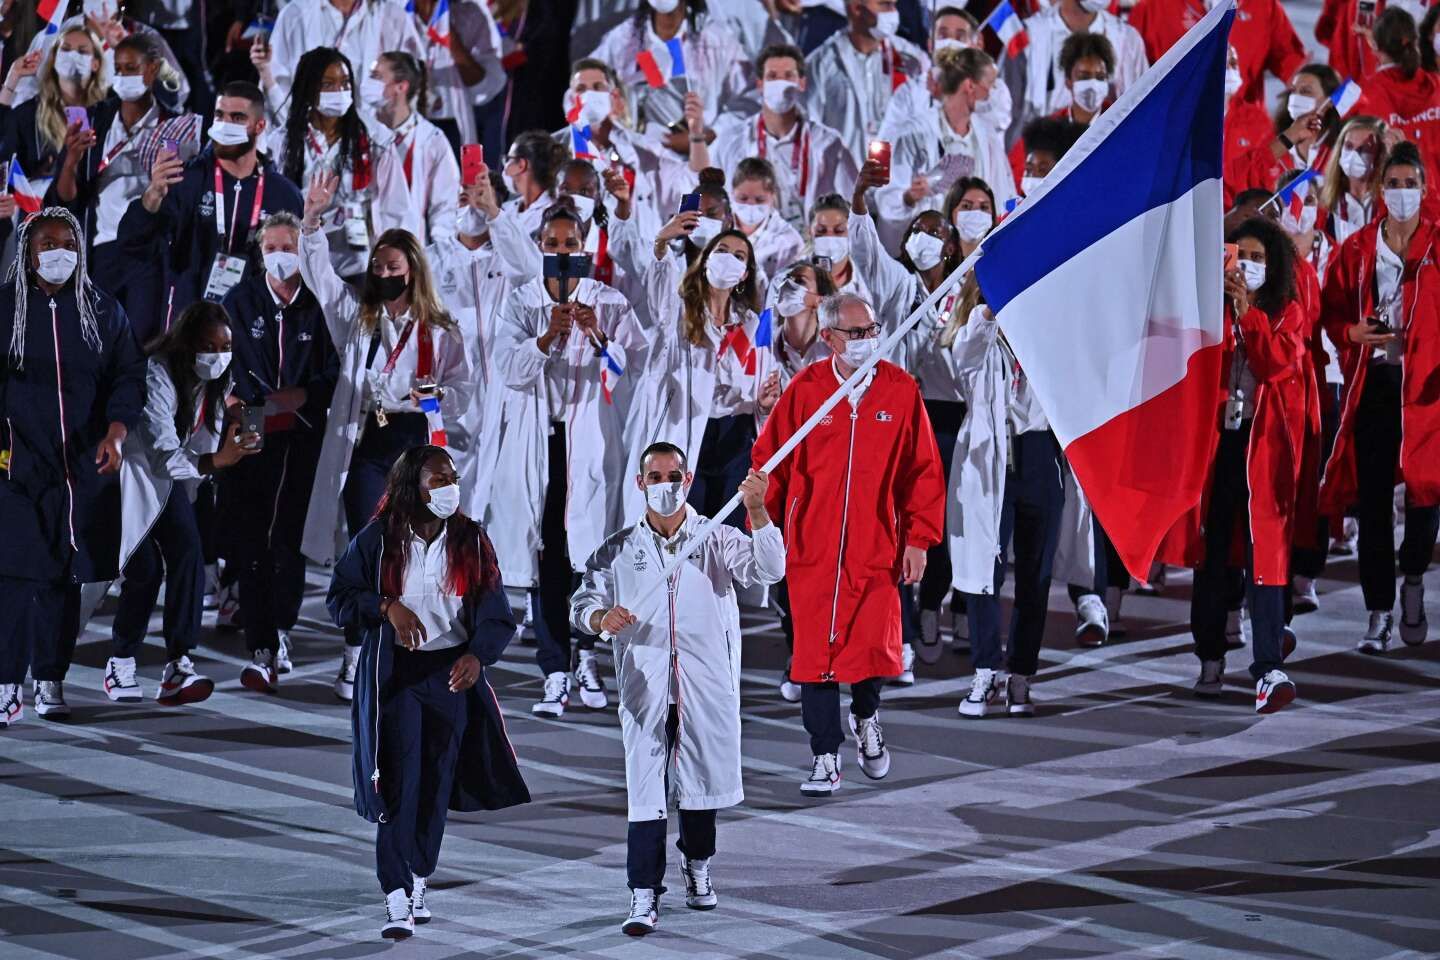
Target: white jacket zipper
{"type": "Point", "coordinates": [64, 435]}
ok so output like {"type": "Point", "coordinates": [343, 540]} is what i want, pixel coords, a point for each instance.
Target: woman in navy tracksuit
{"type": "Point", "coordinates": [421, 583]}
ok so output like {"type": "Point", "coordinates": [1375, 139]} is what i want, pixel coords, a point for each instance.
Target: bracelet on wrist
{"type": "Point", "coordinates": [1285, 141]}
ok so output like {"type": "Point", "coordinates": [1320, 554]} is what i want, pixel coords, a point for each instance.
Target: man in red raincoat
{"type": "Point", "coordinates": [863, 498]}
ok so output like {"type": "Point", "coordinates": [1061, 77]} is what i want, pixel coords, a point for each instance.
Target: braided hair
{"type": "Point", "coordinates": [19, 274]}
{"type": "Point", "coordinates": [304, 94]}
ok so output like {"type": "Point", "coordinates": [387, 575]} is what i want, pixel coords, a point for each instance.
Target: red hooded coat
{"type": "Point", "coordinates": [1262, 37]}
{"type": "Point", "coordinates": [856, 491]}
{"type": "Point", "coordinates": [1412, 107]}
{"type": "Point", "coordinates": [1350, 53]}
{"type": "Point", "coordinates": [1247, 128]}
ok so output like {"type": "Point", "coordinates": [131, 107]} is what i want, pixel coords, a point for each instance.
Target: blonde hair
{"type": "Point", "coordinates": [1336, 181]}
{"type": "Point", "coordinates": [969, 299]}
{"type": "Point", "coordinates": [953, 67]}
{"type": "Point", "coordinates": [425, 305]}
{"type": "Point", "coordinates": [49, 105]}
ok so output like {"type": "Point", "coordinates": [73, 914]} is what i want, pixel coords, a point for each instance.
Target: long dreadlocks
{"type": "Point", "coordinates": [20, 275]}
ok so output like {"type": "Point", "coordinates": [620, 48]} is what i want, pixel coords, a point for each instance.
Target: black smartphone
{"type": "Point", "coordinates": [252, 420]}
{"type": "Point", "coordinates": [567, 266]}
{"type": "Point", "coordinates": [1381, 326]}
{"type": "Point", "coordinates": [691, 201]}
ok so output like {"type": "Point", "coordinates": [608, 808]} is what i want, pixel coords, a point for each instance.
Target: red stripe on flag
{"type": "Point", "coordinates": [650, 68]}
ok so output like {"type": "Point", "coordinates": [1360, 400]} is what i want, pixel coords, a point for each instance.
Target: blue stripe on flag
{"type": "Point", "coordinates": [610, 363]}
{"type": "Point", "coordinates": [677, 56]}
{"type": "Point", "coordinates": [1168, 142]}
{"type": "Point", "coordinates": [765, 329]}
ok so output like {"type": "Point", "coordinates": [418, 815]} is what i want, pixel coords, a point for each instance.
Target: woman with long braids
{"type": "Point", "coordinates": [73, 387]}
{"type": "Point", "coordinates": [420, 583]}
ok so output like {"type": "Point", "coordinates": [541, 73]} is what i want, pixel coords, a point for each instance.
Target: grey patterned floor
{"type": "Point", "coordinates": [1127, 819]}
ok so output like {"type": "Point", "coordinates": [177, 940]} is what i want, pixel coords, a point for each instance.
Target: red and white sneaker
{"type": "Point", "coordinates": [120, 684]}
{"type": "Point", "coordinates": [1273, 691]}
{"type": "Point", "coordinates": [12, 705]}
{"type": "Point", "coordinates": [259, 674]}
{"type": "Point", "coordinates": [180, 684]}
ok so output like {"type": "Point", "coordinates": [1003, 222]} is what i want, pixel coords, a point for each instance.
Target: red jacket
{"type": "Point", "coordinates": [1350, 53]}
{"type": "Point", "coordinates": [1247, 127]}
{"type": "Point", "coordinates": [1348, 296]}
{"type": "Point", "coordinates": [1262, 36]}
{"type": "Point", "coordinates": [1276, 354]}
{"type": "Point", "coordinates": [1412, 107]}
{"type": "Point", "coordinates": [855, 492]}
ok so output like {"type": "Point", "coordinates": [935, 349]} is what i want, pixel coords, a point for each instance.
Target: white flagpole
{"type": "Point", "coordinates": [691, 545]}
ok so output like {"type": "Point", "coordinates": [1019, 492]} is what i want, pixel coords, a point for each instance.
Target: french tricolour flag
{"type": "Point", "coordinates": [663, 63]}
{"type": "Point", "coordinates": [51, 12]}
{"type": "Point", "coordinates": [1008, 27]}
{"type": "Point", "coordinates": [27, 197]}
{"type": "Point", "coordinates": [610, 374]}
{"type": "Point", "coordinates": [1345, 97]}
{"type": "Point", "coordinates": [438, 29]}
{"type": "Point", "coordinates": [1107, 284]}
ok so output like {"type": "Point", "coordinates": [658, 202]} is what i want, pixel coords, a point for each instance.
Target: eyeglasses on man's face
{"type": "Point", "coordinates": [858, 333]}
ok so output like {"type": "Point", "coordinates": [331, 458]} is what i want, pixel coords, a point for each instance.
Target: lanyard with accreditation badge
{"type": "Point", "coordinates": [229, 268]}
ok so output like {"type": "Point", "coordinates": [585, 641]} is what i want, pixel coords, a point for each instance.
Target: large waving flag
{"type": "Point", "coordinates": [1107, 284]}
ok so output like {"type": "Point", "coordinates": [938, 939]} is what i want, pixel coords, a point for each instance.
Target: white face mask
{"type": "Point", "coordinates": [1090, 94]}
{"type": "Point", "coordinates": [1233, 81]}
{"type": "Point", "coordinates": [56, 266]}
{"type": "Point", "coordinates": [706, 229]}
{"type": "Point", "coordinates": [1354, 164]}
{"type": "Point", "coordinates": [948, 43]}
{"type": "Point", "coordinates": [444, 500]}
{"type": "Point", "coordinates": [664, 6]}
{"type": "Point", "coordinates": [1029, 185]}
{"type": "Point", "coordinates": [1298, 105]}
{"type": "Point", "coordinates": [792, 300]}
{"type": "Point", "coordinates": [858, 351]}
{"type": "Point", "coordinates": [751, 214]}
{"type": "Point", "coordinates": [724, 270]}
{"type": "Point", "coordinates": [594, 107]}
{"type": "Point", "coordinates": [834, 248]}
{"type": "Point", "coordinates": [372, 91]}
{"type": "Point", "coordinates": [74, 65]}
{"type": "Point", "coordinates": [229, 134]}
{"type": "Point", "coordinates": [780, 95]}
{"type": "Point", "coordinates": [282, 264]}
{"type": "Point", "coordinates": [887, 24]}
{"type": "Point", "coordinates": [510, 186]}
{"type": "Point", "coordinates": [1254, 274]}
{"type": "Point", "coordinates": [1401, 203]}
{"type": "Point", "coordinates": [584, 206]}
{"type": "Point", "coordinates": [973, 224]}
{"type": "Point", "coordinates": [334, 103]}
{"type": "Point", "coordinates": [1290, 225]}
{"type": "Point", "coordinates": [666, 499]}
{"type": "Point", "coordinates": [1094, 6]}
{"type": "Point", "coordinates": [209, 366]}
{"type": "Point", "coordinates": [129, 88]}
{"type": "Point", "coordinates": [925, 251]}
{"type": "Point", "coordinates": [471, 222]}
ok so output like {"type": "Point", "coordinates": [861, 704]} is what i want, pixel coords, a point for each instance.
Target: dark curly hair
{"type": "Point", "coordinates": [1279, 286]}
{"type": "Point", "coordinates": [304, 94]}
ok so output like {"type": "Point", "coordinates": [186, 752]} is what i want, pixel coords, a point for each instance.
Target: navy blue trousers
{"type": "Point", "coordinates": [172, 554]}
{"type": "Point", "coordinates": [550, 601]}
{"type": "Point", "coordinates": [38, 628]}
{"type": "Point", "coordinates": [820, 711]}
{"type": "Point", "coordinates": [645, 839]}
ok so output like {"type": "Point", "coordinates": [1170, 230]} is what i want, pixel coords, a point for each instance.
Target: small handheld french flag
{"type": "Point", "coordinates": [663, 63]}
{"type": "Point", "coordinates": [1292, 196]}
{"type": "Point", "coordinates": [580, 138]}
{"type": "Point", "coordinates": [27, 198]}
{"type": "Point", "coordinates": [1345, 97]}
{"type": "Point", "coordinates": [258, 26]}
{"type": "Point", "coordinates": [1008, 27]}
{"type": "Point", "coordinates": [430, 406]}
{"type": "Point", "coordinates": [765, 329]}
{"type": "Point", "coordinates": [51, 12]}
{"type": "Point", "coordinates": [610, 374]}
{"type": "Point", "coordinates": [438, 29]}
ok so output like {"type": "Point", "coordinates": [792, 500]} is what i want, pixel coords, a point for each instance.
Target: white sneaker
{"type": "Point", "coordinates": [282, 653]}
{"type": "Point", "coordinates": [227, 607]}
{"type": "Point", "coordinates": [1413, 626]}
{"type": "Point", "coordinates": [824, 776]}
{"type": "Point", "coordinates": [1273, 691]}
{"type": "Point", "coordinates": [345, 679]}
{"type": "Point", "coordinates": [587, 679]}
{"type": "Point", "coordinates": [906, 676]}
{"type": "Point", "coordinates": [556, 696]}
{"type": "Point", "coordinates": [699, 892]}
{"type": "Point", "coordinates": [644, 913]}
{"type": "Point", "coordinates": [1377, 636]}
{"type": "Point", "coordinates": [984, 690]}
{"type": "Point", "coordinates": [50, 699]}
{"type": "Point", "coordinates": [12, 704]}
{"type": "Point", "coordinates": [1344, 545]}
{"type": "Point", "coordinates": [1093, 628]}
{"type": "Point", "coordinates": [180, 684]}
{"type": "Point", "coordinates": [789, 689]}
{"type": "Point", "coordinates": [1237, 629]}
{"type": "Point", "coordinates": [418, 911]}
{"type": "Point", "coordinates": [1303, 596]}
{"type": "Point", "coordinates": [1017, 696]}
{"type": "Point", "coordinates": [1212, 678]}
{"type": "Point", "coordinates": [259, 673]}
{"type": "Point", "coordinates": [1113, 596]}
{"type": "Point", "coordinates": [928, 648]}
{"type": "Point", "coordinates": [120, 684]}
{"type": "Point", "coordinates": [870, 748]}
{"type": "Point", "coordinates": [399, 925]}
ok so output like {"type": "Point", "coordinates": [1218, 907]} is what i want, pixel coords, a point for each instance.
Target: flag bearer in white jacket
{"type": "Point", "coordinates": [552, 454]}
{"type": "Point", "coordinates": [677, 666]}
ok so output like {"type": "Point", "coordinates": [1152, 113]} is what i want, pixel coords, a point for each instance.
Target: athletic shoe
{"type": "Point", "coordinates": [50, 699]}
{"type": "Point", "coordinates": [1093, 627]}
{"type": "Point", "coordinates": [984, 690]}
{"type": "Point", "coordinates": [1212, 678]}
{"type": "Point", "coordinates": [789, 689]}
{"type": "Point", "coordinates": [345, 678]}
{"type": "Point", "coordinates": [1156, 582]}
{"type": "Point", "coordinates": [227, 607]}
{"type": "Point", "coordinates": [212, 586]}
{"type": "Point", "coordinates": [1273, 691]}
{"type": "Point", "coordinates": [824, 776]}
{"type": "Point", "coordinates": [556, 696]}
{"type": "Point", "coordinates": [870, 747]}
{"type": "Point", "coordinates": [928, 648]}
{"type": "Point", "coordinates": [1344, 545]}
{"type": "Point", "coordinates": [259, 673]}
{"type": "Point", "coordinates": [399, 925]}
{"type": "Point", "coordinates": [1304, 599]}
{"type": "Point", "coordinates": [418, 911]}
{"type": "Point", "coordinates": [699, 892]}
{"type": "Point", "coordinates": [1237, 628]}
{"type": "Point", "coordinates": [644, 912]}
{"type": "Point", "coordinates": [1413, 625]}
{"type": "Point", "coordinates": [282, 654]}
{"type": "Point", "coordinates": [12, 705]}
{"type": "Point", "coordinates": [1288, 642]}
{"type": "Point", "coordinates": [120, 684]}
{"type": "Point", "coordinates": [1377, 636]}
{"type": "Point", "coordinates": [180, 684]}
{"type": "Point", "coordinates": [1017, 696]}
{"type": "Point", "coordinates": [906, 676]}
{"type": "Point", "coordinates": [1113, 596]}
{"type": "Point", "coordinates": [587, 680]}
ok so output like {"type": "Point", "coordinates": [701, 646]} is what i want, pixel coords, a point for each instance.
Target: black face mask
{"type": "Point", "coordinates": [391, 287]}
